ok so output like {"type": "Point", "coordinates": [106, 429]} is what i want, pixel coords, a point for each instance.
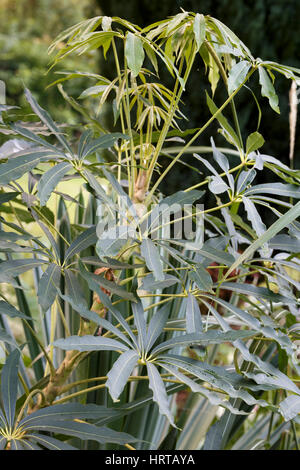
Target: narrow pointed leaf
{"type": "Point", "coordinates": [139, 320]}
{"type": "Point", "coordinates": [284, 220]}
{"type": "Point", "coordinates": [237, 75]}
{"type": "Point", "coordinates": [47, 120]}
{"type": "Point", "coordinates": [48, 285]}
{"type": "Point", "coordinates": [201, 278]}
{"type": "Point", "coordinates": [85, 431]}
{"type": "Point", "coordinates": [159, 392]}
{"type": "Point", "coordinates": [13, 268]}
{"type": "Point", "coordinates": [83, 241]}
{"type": "Point", "coordinates": [87, 314]}
{"type": "Point", "coordinates": [89, 343]}
{"type": "Point", "coordinates": [50, 180]}
{"type": "Point", "coordinates": [206, 338]}
{"type": "Point", "coordinates": [50, 442]}
{"type": "Point", "coordinates": [156, 325]}
{"type": "Point", "coordinates": [9, 385]}
{"type": "Point", "coordinates": [11, 311]}
{"type": "Point", "coordinates": [152, 258]}
{"type": "Point", "coordinates": [193, 315]}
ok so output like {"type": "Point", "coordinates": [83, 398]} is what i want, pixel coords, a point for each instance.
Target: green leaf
{"type": "Point", "coordinates": [83, 241]}
{"type": "Point", "coordinates": [50, 180]}
{"type": "Point", "coordinates": [139, 320]}
{"type": "Point", "coordinates": [66, 411]}
{"type": "Point", "coordinates": [152, 258]}
{"type": "Point", "coordinates": [85, 431]}
{"type": "Point", "coordinates": [156, 326]}
{"type": "Point", "coordinates": [267, 89]}
{"type": "Point", "coordinates": [118, 376]}
{"type": "Point", "coordinates": [108, 285]}
{"type": "Point", "coordinates": [159, 392]}
{"type": "Point", "coordinates": [284, 220]}
{"type": "Point", "coordinates": [10, 269]}
{"type": "Point", "coordinates": [6, 197]}
{"type": "Point", "coordinates": [49, 442]}
{"type": "Point", "coordinates": [280, 189]}
{"type": "Point", "coordinates": [7, 338]}
{"type": "Point", "coordinates": [47, 120]}
{"type": "Point", "coordinates": [254, 142]}
{"type": "Point", "coordinates": [199, 29]}
{"type": "Point", "coordinates": [9, 385]}
{"type": "Point", "coordinates": [255, 291]}
{"type": "Point", "coordinates": [237, 75]}
{"type": "Point", "coordinates": [290, 407]}
{"type": "Point", "coordinates": [89, 343]}
{"type": "Point", "coordinates": [18, 166]}
{"type": "Point", "coordinates": [150, 284]}
{"type": "Point", "coordinates": [201, 278]}
{"type": "Point", "coordinates": [193, 315]}
{"type": "Point", "coordinates": [222, 120]}
{"type": "Point", "coordinates": [111, 241]}
{"type": "Point", "coordinates": [48, 285]}
{"type": "Point", "coordinates": [115, 312]}
{"type": "Point", "coordinates": [104, 142]}
{"type": "Point", "coordinates": [134, 53]}
{"type": "Point", "coordinates": [12, 312]}
{"type": "Point", "coordinates": [205, 338]}
{"type": "Point", "coordinates": [90, 315]}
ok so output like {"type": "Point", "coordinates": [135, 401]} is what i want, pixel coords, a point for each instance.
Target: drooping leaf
{"type": "Point", "coordinates": [290, 407]}
{"type": "Point", "coordinates": [118, 375]}
{"type": "Point", "coordinates": [267, 89]}
{"type": "Point", "coordinates": [159, 392]}
{"type": "Point", "coordinates": [237, 75]}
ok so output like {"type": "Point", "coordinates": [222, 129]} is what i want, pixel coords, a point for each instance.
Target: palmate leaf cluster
{"type": "Point", "coordinates": [141, 311]}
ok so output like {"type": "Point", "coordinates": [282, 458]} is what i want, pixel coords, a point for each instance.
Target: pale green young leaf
{"type": "Point", "coordinates": [134, 53]}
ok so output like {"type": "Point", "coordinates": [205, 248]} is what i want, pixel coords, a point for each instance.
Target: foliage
{"type": "Point", "coordinates": [123, 298]}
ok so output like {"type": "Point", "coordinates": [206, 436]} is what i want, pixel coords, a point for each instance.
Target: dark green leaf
{"type": "Point", "coordinates": [9, 385]}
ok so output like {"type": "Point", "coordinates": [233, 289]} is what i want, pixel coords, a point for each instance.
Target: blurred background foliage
{"type": "Point", "coordinates": [268, 27]}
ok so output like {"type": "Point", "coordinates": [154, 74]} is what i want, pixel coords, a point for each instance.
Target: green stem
{"type": "Point", "coordinates": [202, 129]}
